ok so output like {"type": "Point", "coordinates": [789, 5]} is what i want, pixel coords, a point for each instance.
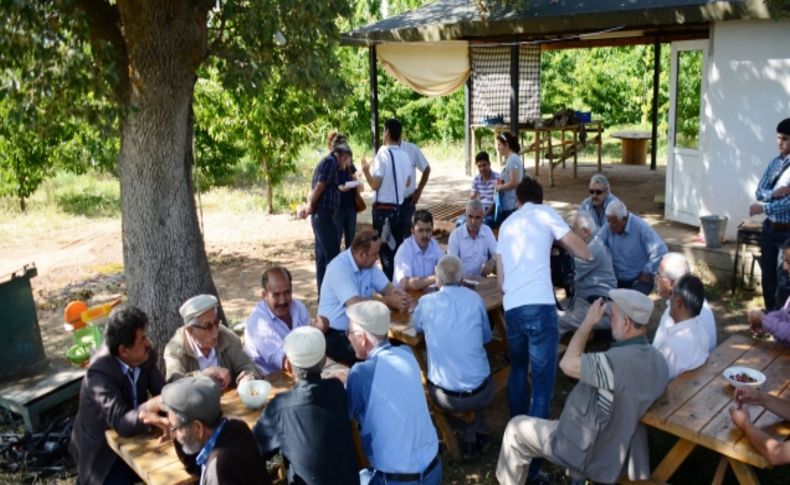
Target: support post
{"type": "Point", "coordinates": [468, 138]}
{"type": "Point", "coordinates": [374, 100]}
{"type": "Point", "coordinates": [514, 82]}
{"type": "Point", "coordinates": [654, 113]}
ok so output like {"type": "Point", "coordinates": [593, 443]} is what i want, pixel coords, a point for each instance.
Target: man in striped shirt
{"type": "Point", "coordinates": [483, 186]}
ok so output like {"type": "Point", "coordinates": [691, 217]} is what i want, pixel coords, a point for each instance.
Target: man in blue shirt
{"type": "Point", "coordinates": [773, 201]}
{"type": "Point", "coordinates": [418, 255]}
{"type": "Point", "coordinates": [456, 327]}
{"type": "Point", "coordinates": [600, 197]}
{"type": "Point", "coordinates": [635, 247]}
{"type": "Point", "coordinates": [350, 278]}
{"type": "Point", "coordinates": [387, 399]}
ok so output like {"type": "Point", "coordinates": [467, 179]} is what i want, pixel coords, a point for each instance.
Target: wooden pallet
{"type": "Point", "coordinates": [445, 215]}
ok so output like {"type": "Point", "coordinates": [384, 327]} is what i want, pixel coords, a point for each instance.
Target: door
{"type": "Point", "coordinates": [685, 171]}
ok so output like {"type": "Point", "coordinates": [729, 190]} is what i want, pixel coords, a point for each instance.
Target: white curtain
{"type": "Point", "coordinates": [430, 68]}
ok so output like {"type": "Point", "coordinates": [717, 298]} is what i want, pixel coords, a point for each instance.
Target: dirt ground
{"type": "Point", "coordinates": [88, 263]}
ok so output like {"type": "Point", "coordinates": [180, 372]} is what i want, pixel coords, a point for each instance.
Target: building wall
{"type": "Point", "coordinates": [748, 93]}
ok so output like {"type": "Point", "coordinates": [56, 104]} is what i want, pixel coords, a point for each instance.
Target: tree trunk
{"type": "Point", "coordinates": [164, 255]}
{"type": "Point", "coordinates": [269, 185]}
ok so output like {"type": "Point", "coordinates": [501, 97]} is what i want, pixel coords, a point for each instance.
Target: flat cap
{"type": "Point", "coordinates": [196, 306]}
{"type": "Point", "coordinates": [635, 305]}
{"type": "Point", "coordinates": [305, 347]}
{"type": "Point", "coordinates": [372, 316]}
{"type": "Point", "coordinates": [196, 398]}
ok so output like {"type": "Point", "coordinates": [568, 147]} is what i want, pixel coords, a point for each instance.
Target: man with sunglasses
{"type": "Point", "coordinates": [773, 201]}
{"type": "Point", "coordinates": [600, 197]}
{"type": "Point", "coordinates": [204, 346]}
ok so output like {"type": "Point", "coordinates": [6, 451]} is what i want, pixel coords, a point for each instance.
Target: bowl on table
{"type": "Point", "coordinates": [744, 377]}
{"type": "Point", "coordinates": [254, 393]}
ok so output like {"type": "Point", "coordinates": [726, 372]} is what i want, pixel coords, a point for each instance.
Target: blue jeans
{"type": "Point", "coordinates": [346, 221]}
{"type": "Point", "coordinates": [503, 214]}
{"type": "Point", "coordinates": [369, 476]}
{"type": "Point", "coordinates": [327, 244]}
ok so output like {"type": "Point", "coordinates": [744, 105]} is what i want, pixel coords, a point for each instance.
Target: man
{"type": "Point", "coordinates": [309, 424]}
{"type": "Point", "coordinates": [600, 197]}
{"type": "Point", "coordinates": [593, 279]}
{"type": "Point", "coordinates": [772, 200]}
{"type": "Point", "coordinates": [684, 344]}
{"type": "Point", "coordinates": [674, 266]}
{"type": "Point", "coordinates": [524, 274]}
{"type": "Point", "coordinates": [418, 255]}
{"type": "Point", "coordinates": [635, 247]}
{"type": "Point", "coordinates": [402, 446]}
{"type": "Point", "coordinates": [225, 448]}
{"type": "Point", "coordinates": [456, 327]}
{"type": "Point", "coordinates": [350, 278]}
{"type": "Point", "coordinates": [776, 323]}
{"type": "Point", "coordinates": [473, 242]}
{"type": "Point", "coordinates": [598, 435]}
{"type": "Point", "coordinates": [273, 317]}
{"type": "Point", "coordinates": [113, 395]}
{"type": "Point", "coordinates": [775, 452]}
{"type": "Point", "coordinates": [391, 178]}
{"type": "Point", "coordinates": [413, 193]}
{"type": "Point", "coordinates": [204, 346]}
{"type": "Point", "coordinates": [483, 186]}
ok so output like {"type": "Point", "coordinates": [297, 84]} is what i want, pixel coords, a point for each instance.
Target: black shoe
{"type": "Point", "coordinates": [484, 442]}
{"type": "Point", "coordinates": [470, 451]}
{"type": "Point", "coordinates": [541, 478]}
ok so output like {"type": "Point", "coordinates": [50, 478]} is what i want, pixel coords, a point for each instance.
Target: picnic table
{"type": "Point", "coordinates": [695, 408]}
{"type": "Point", "coordinates": [634, 148]}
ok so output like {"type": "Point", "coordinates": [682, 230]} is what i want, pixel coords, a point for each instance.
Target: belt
{"type": "Point", "coordinates": [471, 393]}
{"type": "Point", "coordinates": [591, 299]}
{"type": "Point", "coordinates": [779, 226]}
{"type": "Point", "coordinates": [412, 477]}
{"type": "Point", "coordinates": [386, 207]}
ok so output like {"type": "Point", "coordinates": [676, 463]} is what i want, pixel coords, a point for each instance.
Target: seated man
{"type": "Point", "coordinates": [401, 446]}
{"type": "Point", "coordinates": [685, 343]}
{"type": "Point", "coordinates": [456, 327]}
{"type": "Point", "coordinates": [593, 279]}
{"type": "Point", "coordinates": [417, 256]}
{"type": "Point", "coordinates": [350, 278]}
{"type": "Point", "coordinates": [635, 247]}
{"type": "Point", "coordinates": [674, 266]}
{"type": "Point", "coordinates": [225, 448]}
{"type": "Point", "coordinates": [204, 346]}
{"type": "Point", "coordinates": [600, 197]}
{"type": "Point", "coordinates": [473, 242]}
{"type": "Point", "coordinates": [118, 380]}
{"type": "Point", "coordinates": [776, 323]}
{"type": "Point", "coordinates": [483, 186]}
{"type": "Point", "coordinates": [775, 452]}
{"type": "Point", "coordinates": [598, 435]}
{"type": "Point", "coordinates": [323, 449]}
{"type": "Point", "coordinates": [273, 317]}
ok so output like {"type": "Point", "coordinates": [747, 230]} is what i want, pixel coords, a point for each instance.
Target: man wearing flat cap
{"type": "Point", "coordinates": [602, 412]}
{"type": "Point", "coordinates": [225, 448]}
{"type": "Point", "coordinates": [204, 346]}
{"type": "Point", "coordinates": [402, 446]}
{"type": "Point", "coordinates": [309, 424]}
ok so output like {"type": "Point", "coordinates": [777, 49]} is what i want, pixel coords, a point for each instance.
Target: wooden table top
{"type": "Point", "coordinates": [631, 135]}
{"type": "Point", "coordinates": [696, 404]}
{"type": "Point", "coordinates": [157, 463]}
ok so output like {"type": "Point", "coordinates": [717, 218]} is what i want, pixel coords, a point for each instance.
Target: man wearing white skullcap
{"type": "Point", "coordinates": [204, 346]}
{"type": "Point", "coordinates": [600, 421]}
{"type": "Point", "coordinates": [402, 446]}
{"type": "Point", "coordinates": [323, 452]}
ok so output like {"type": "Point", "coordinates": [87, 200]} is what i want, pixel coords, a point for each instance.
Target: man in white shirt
{"type": "Point", "coordinates": [673, 266]}
{"type": "Point", "coordinates": [414, 191]}
{"type": "Point", "coordinates": [416, 259]}
{"type": "Point", "coordinates": [473, 242]}
{"type": "Point", "coordinates": [684, 346]}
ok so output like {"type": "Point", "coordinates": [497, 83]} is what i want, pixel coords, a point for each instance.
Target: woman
{"type": "Point", "coordinates": [513, 171]}
{"type": "Point", "coordinates": [322, 205]}
{"type": "Point", "coordinates": [346, 215]}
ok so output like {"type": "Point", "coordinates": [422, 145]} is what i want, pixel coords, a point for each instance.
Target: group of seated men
{"type": "Point", "coordinates": [383, 391]}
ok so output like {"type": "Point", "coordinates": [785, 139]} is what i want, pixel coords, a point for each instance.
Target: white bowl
{"type": "Point", "coordinates": [254, 394]}
{"type": "Point", "coordinates": [757, 377]}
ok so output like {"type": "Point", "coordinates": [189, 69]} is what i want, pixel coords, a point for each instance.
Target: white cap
{"type": "Point", "coordinates": [372, 316]}
{"type": "Point", "coordinates": [196, 306]}
{"type": "Point", "coordinates": [305, 347]}
{"type": "Point", "coordinates": [636, 306]}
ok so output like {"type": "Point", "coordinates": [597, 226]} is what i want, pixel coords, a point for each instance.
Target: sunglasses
{"type": "Point", "coordinates": [596, 192]}
{"type": "Point", "coordinates": [210, 326]}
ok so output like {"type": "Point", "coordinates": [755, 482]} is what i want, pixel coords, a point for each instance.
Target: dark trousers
{"type": "Point", "coordinates": [503, 214]}
{"type": "Point", "coordinates": [775, 281]}
{"type": "Point", "coordinates": [121, 474]}
{"type": "Point", "coordinates": [456, 403]}
{"type": "Point", "coordinates": [407, 215]}
{"type": "Point", "coordinates": [346, 222]}
{"type": "Point", "coordinates": [338, 348]}
{"type": "Point", "coordinates": [387, 254]}
{"type": "Point", "coordinates": [327, 243]}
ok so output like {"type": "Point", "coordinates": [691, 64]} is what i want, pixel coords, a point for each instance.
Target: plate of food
{"type": "Point", "coordinates": [744, 377]}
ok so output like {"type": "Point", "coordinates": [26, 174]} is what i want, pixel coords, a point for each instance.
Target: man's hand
{"type": "Point", "coordinates": [152, 414]}
{"type": "Point", "coordinates": [740, 417]}
{"type": "Point", "coordinates": [398, 300]}
{"type": "Point", "coordinates": [756, 209]}
{"type": "Point", "coordinates": [595, 313]}
{"type": "Point", "coordinates": [755, 318]}
{"type": "Point", "coordinates": [220, 375]}
{"type": "Point", "coordinates": [780, 192]}
{"type": "Point", "coordinates": [487, 268]}
{"type": "Point", "coordinates": [321, 323]}
{"type": "Point", "coordinates": [748, 395]}
{"type": "Point", "coordinates": [364, 163]}
{"type": "Point", "coordinates": [306, 211]}
{"type": "Point", "coordinates": [644, 277]}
